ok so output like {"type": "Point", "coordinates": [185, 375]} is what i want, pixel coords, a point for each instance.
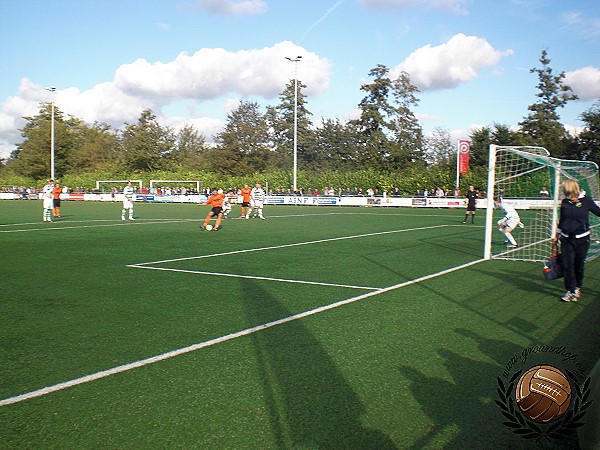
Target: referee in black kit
{"type": "Point", "coordinates": [471, 204]}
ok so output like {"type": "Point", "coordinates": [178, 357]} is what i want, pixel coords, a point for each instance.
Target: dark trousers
{"type": "Point", "coordinates": [572, 259]}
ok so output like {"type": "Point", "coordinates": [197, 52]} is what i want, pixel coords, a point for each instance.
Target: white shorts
{"type": "Point", "coordinates": [48, 203]}
{"type": "Point", "coordinates": [127, 204]}
{"type": "Point", "coordinates": [511, 222]}
{"type": "Point", "coordinates": [258, 204]}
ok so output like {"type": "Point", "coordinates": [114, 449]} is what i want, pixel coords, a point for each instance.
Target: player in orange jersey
{"type": "Point", "coordinates": [56, 191]}
{"type": "Point", "coordinates": [216, 201]}
{"type": "Point", "coordinates": [245, 193]}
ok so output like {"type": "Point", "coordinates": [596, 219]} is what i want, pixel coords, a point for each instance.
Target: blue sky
{"type": "Point", "coordinates": [192, 61]}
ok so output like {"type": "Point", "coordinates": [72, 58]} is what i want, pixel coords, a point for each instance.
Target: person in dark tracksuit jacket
{"type": "Point", "coordinates": [574, 234]}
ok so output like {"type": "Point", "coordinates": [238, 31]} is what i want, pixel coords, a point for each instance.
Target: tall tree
{"type": "Point", "coordinates": [407, 130]}
{"type": "Point", "coordinates": [589, 138]}
{"type": "Point", "coordinates": [337, 143]}
{"type": "Point", "coordinates": [391, 135]}
{"type": "Point", "coordinates": [481, 139]}
{"type": "Point", "coordinates": [32, 157]}
{"type": "Point", "coordinates": [244, 145]}
{"type": "Point", "coordinates": [190, 146]}
{"type": "Point", "coordinates": [374, 123]}
{"type": "Point", "coordinates": [281, 121]}
{"type": "Point", "coordinates": [146, 145]}
{"type": "Point", "coordinates": [439, 150]}
{"type": "Point", "coordinates": [98, 148]}
{"type": "Point", "coordinates": [542, 126]}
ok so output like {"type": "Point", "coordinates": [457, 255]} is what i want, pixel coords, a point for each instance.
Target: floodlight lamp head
{"type": "Point", "coordinates": [51, 89]}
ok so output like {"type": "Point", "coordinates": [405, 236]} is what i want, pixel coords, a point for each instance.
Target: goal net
{"type": "Point", "coordinates": [521, 176]}
{"type": "Point", "coordinates": [107, 185]}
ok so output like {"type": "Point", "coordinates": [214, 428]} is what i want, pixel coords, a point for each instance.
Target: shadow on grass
{"type": "Point", "coordinates": [309, 402]}
{"type": "Point", "coordinates": [455, 404]}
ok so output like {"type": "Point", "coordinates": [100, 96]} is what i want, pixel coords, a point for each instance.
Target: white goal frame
{"type": "Point", "coordinates": [535, 163]}
{"type": "Point", "coordinates": [138, 182]}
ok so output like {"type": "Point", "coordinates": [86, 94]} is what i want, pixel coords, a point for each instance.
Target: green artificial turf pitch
{"type": "Point", "coordinates": [318, 328]}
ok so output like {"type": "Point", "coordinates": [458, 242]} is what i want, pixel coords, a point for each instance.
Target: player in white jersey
{"type": "Point", "coordinates": [226, 207]}
{"type": "Point", "coordinates": [509, 222]}
{"type": "Point", "coordinates": [257, 200]}
{"type": "Point", "coordinates": [48, 199]}
{"type": "Point", "coordinates": [128, 201]}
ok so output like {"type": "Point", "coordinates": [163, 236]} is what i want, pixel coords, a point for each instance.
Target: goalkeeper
{"type": "Point", "coordinates": [509, 222]}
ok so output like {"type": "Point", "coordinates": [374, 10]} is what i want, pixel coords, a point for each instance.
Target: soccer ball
{"type": "Point", "coordinates": [209, 227]}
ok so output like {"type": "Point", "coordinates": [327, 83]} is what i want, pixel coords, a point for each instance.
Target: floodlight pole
{"type": "Point", "coordinates": [295, 61]}
{"type": "Point", "coordinates": [52, 89]}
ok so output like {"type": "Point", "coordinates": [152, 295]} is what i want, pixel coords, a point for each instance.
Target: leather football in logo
{"type": "Point", "coordinates": [543, 394]}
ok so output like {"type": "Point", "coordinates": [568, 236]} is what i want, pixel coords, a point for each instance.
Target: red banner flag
{"type": "Point", "coordinates": [464, 148]}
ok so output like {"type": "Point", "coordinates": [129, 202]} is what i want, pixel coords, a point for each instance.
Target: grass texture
{"type": "Point", "coordinates": [318, 328]}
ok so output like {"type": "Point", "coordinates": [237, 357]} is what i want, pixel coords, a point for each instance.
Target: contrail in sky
{"type": "Point", "coordinates": [323, 17]}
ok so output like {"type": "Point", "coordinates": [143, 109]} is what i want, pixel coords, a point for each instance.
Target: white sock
{"type": "Point", "coordinates": [510, 238]}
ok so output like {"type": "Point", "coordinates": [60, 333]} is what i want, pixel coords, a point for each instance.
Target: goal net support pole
{"type": "Point", "coordinates": [517, 174]}
{"type": "Point", "coordinates": [489, 211]}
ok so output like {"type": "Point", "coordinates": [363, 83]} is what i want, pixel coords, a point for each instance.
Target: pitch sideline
{"type": "Point", "coordinates": [225, 338]}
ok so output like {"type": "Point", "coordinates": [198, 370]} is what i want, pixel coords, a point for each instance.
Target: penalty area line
{"type": "Point", "coordinates": [251, 277]}
{"type": "Point", "coordinates": [297, 244]}
{"type": "Point", "coordinates": [219, 340]}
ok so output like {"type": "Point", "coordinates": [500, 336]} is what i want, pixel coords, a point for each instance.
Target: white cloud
{"type": "Point", "coordinates": [213, 72]}
{"type": "Point", "coordinates": [207, 76]}
{"type": "Point", "coordinates": [453, 6]}
{"type": "Point", "coordinates": [227, 7]}
{"type": "Point", "coordinates": [574, 130]}
{"type": "Point", "coordinates": [446, 66]}
{"type": "Point", "coordinates": [231, 105]}
{"type": "Point", "coordinates": [584, 82]}
{"type": "Point", "coordinates": [583, 24]}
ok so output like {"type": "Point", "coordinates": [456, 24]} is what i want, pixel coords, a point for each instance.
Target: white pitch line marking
{"type": "Point", "coordinates": [118, 224]}
{"type": "Point", "coordinates": [297, 244]}
{"type": "Point", "coordinates": [225, 338]}
{"type": "Point", "coordinates": [250, 277]}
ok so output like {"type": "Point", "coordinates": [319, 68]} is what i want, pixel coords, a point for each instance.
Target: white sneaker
{"type": "Point", "coordinates": [568, 297]}
{"type": "Point", "coordinates": [262, 217]}
{"type": "Point", "coordinates": [131, 218]}
{"type": "Point", "coordinates": [577, 293]}
{"type": "Point", "coordinates": [123, 218]}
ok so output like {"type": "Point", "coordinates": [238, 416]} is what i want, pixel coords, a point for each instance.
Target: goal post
{"type": "Point", "coordinates": [100, 184]}
{"type": "Point", "coordinates": [518, 174]}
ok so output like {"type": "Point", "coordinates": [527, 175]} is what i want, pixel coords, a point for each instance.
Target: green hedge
{"type": "Point", "coordinates": [408, 181]}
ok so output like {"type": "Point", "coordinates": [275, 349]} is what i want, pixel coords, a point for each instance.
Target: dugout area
{"type": "Point", "coordinates": [409, 367]}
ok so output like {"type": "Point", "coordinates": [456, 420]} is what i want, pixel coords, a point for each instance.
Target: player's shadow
{"type": "Point", "coordinates": [309, 402]}
{"type": "Point", "coordinates": [499, 351]}
{"type": "Point", "coordinates": [459, 404]}
{"type": "Point", "coordinates": [528, 281]}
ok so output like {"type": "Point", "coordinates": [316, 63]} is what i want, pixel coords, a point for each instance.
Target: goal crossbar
{"type": "Point", "coordinates": [517, 174]}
